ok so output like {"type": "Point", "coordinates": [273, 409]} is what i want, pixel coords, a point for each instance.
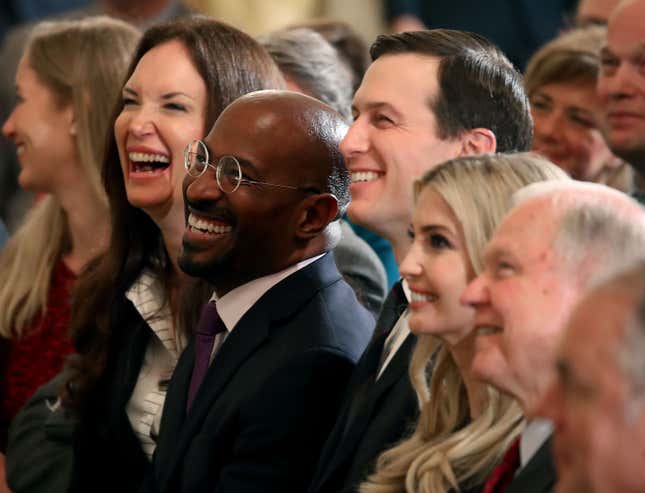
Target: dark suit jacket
{"type": "Point", "coordinates": [271, 394]}
{"type": "Point", "coordinates": [361, 268]}
{"type": "Point", "coordinates": [538, 475]}
{"type": "Point", "coordinates": [375, 414]}
{"type": "Point", "coordinates": [107, 454]}
{"type": "Point", "coordinates": [39, 455]}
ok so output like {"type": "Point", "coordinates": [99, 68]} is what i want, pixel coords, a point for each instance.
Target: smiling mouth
{"type": "Point", "coordinates": [206, 226]}
{"type": "Point", "coordinates": [364, 176]}
{"type": "Point", "coordinates": [485, 331]}
{"type": "Point", "coordinates": [417, 297]}
{"type": "Point", "coordinates": [144, 162]}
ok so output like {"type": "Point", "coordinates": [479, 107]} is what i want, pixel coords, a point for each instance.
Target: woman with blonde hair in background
{"type": "Point", "coordinates": [465, 426]}
{"type": "Point", "coordinates": [560, 81]}
{"type": "Point", "coordinates": [67, 83]}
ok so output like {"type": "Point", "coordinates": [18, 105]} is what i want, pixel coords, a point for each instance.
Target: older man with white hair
{"type": "Point", "coordinates": [556, 240]}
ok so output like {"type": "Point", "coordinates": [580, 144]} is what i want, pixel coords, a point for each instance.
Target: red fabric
{"type": "Point", "coordinates": [39, 355]}
{"type": "Point", "coordinates": [502, 475]}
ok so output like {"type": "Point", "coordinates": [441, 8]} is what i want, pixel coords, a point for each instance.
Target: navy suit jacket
{"type": "Point", "coordinates": [270, 396]}
{"type": "Point", "coordinates": [375, 413]}
{"type": "Point", "coordinates": [538, 475]}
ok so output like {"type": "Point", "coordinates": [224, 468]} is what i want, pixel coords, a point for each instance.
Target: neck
{"type": "Point", "coordinates": [463, 353]}
{"type": "Point", "coordinates": [88, 223]}
{"type": "Point", "coordinates": [400, 244]}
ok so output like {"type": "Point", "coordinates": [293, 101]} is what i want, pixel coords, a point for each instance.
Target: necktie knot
{"type": "Point", "coordinates": [502, 476]}
{"type": "Point", "coordinates": [210, 323]}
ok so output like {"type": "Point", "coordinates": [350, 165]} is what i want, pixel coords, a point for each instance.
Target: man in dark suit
{"type": "Point", "coordinates": [548, 250]}
{"type": "Point", "coordinates": [255, 393]}
{"type": "Point", "coordinates": [427, 97]}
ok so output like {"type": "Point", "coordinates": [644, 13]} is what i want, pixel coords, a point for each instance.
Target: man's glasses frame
{"type": "Point", "coordinates": [228, 171]}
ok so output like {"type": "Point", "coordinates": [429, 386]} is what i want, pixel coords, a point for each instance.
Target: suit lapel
{"type": "Point", "coordinates": [249, 334]}
{"type": "Point", "coordinates": [342, 440]}
{"type": "Point", "coordinates": [538, 475]}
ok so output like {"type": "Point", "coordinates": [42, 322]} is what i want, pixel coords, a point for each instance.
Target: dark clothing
{"type": "Point", "coordinates": [538, 475]}
{"type": "Point", "coordinates": [361, 268]}
{"type": "Point", "coordinates": [271, 394]}
{"type": "Point", "coordinates": [518, 27]}
{"type": "Point", "coordinates": [375, 414]}
{"type": "Point", "coordinates": [39, 455]}
{"type": "Point", "coordinates": [108, 456]}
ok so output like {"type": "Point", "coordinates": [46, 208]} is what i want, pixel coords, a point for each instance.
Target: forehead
{"type": "Point", "coordinates": [526, 232]}
{"type": "Point", "coordinates": [432, 208]}
{"type": "Point", "coordinates": [625, 34]}
{"type": "Point", "coordinates": [581, 94]}
{"type": "Point", "coordinates": [595, 331]}
{"type": "Point", "coordinates": [257, 133]}
{"type": "Point", "coordinates": [405, 81]}
{"type": "Point", "coordinates": [167, 65]}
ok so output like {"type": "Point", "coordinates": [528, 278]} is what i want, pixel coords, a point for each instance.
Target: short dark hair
{"type": "Point", "coordinates": [478, 85]}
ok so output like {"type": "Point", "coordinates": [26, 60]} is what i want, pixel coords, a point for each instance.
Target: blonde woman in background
{"type": "Point", "coordinates": [67, 84]}
{"type": "Point", "coordinates": [560, 82]}
{"type": "Point", "coordinates": [465, 426]}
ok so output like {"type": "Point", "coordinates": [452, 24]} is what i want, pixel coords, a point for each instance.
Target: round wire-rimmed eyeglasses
{"type": "Point", "coordinates": [228, 172]}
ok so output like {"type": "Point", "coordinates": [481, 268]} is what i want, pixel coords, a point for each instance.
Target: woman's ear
{"type": "Point", "coordinates": [478, 141]}
{"type": "Point", "coordinates": [317, 212]}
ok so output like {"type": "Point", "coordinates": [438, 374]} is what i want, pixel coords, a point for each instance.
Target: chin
{"type": "Point", "coordinates": [196, 263]}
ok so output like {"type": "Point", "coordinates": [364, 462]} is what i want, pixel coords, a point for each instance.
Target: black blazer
{"type": "Point", "coordinates": [107, 454]}
{"type": "Point", "coordinates": [375, 414]}
{"type": "Point", "coordinates": [270, 396]}
{"type": "Point", "coordinates": [538, 475]}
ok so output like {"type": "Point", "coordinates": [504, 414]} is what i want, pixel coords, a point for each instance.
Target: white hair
{"type": "Point", "coordinates": [600, 231]}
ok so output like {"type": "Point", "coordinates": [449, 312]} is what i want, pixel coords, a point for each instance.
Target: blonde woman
{"type": "Point", "coordinates": [464, 426]}
{"type": "Point", "coordinates": [67, 83]}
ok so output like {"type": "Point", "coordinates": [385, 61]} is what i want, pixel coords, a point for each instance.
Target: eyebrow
{"type": "Point", "coordinates": [168, 95]}
{"type": "Point", "coordinates": [429, 228]}
{"type": "Point", "coordinates": [378, 105]}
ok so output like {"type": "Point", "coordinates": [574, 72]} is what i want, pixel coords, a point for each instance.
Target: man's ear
{"type": "Point", "coordinates": [317, 211]}
{"type": "Point", "coordinates": [478, 141]}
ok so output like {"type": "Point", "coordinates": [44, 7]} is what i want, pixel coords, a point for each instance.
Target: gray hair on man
{"type": "Point", "coordinates": [312, 64]}
{"type": "Point", "coordinates": [601, 231]}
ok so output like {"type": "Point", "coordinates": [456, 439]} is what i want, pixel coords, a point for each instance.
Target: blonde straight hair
{"type": "Point", "coordinates": [83, 62]}
{"type": "Point", "coordinates": [448, 450]}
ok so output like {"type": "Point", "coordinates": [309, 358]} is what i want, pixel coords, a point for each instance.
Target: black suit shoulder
{"type": "Point", "coordinates": [375, 414]}
{"type": "Point", "coordinates": [270, 395]}
{"type": "Point", "coordinates": [104, 441]}
{"type": "Point", "coordinates": [538, 475]}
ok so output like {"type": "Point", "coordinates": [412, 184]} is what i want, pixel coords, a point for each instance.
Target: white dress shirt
{"type": "Point", "coordinates": [145, 406]}
{"type": "Point", "coordinates": [533, 436]}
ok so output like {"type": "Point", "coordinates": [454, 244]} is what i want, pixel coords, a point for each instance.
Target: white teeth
{"type": "Point", "coordinates": [416, 297]}
{"type": "Point", "coordinates": [484, 331]}
{"type": "Point", "coordinates": [203, 225]}
{"type": "Point", "coordinates": [144, 157]}
{"type": "Point", "coordinates": [20, 149]}
{"type": "Point", "coordinates": [361, 176]}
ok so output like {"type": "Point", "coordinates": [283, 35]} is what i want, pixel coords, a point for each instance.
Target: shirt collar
{"type": "Point", "coordinates": [233, 305]}
{"type": "Point", "coordinates": [533, 436]}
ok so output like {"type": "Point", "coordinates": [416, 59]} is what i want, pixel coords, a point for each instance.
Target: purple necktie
{"type": "Point", "coordinates": [209, 325]}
